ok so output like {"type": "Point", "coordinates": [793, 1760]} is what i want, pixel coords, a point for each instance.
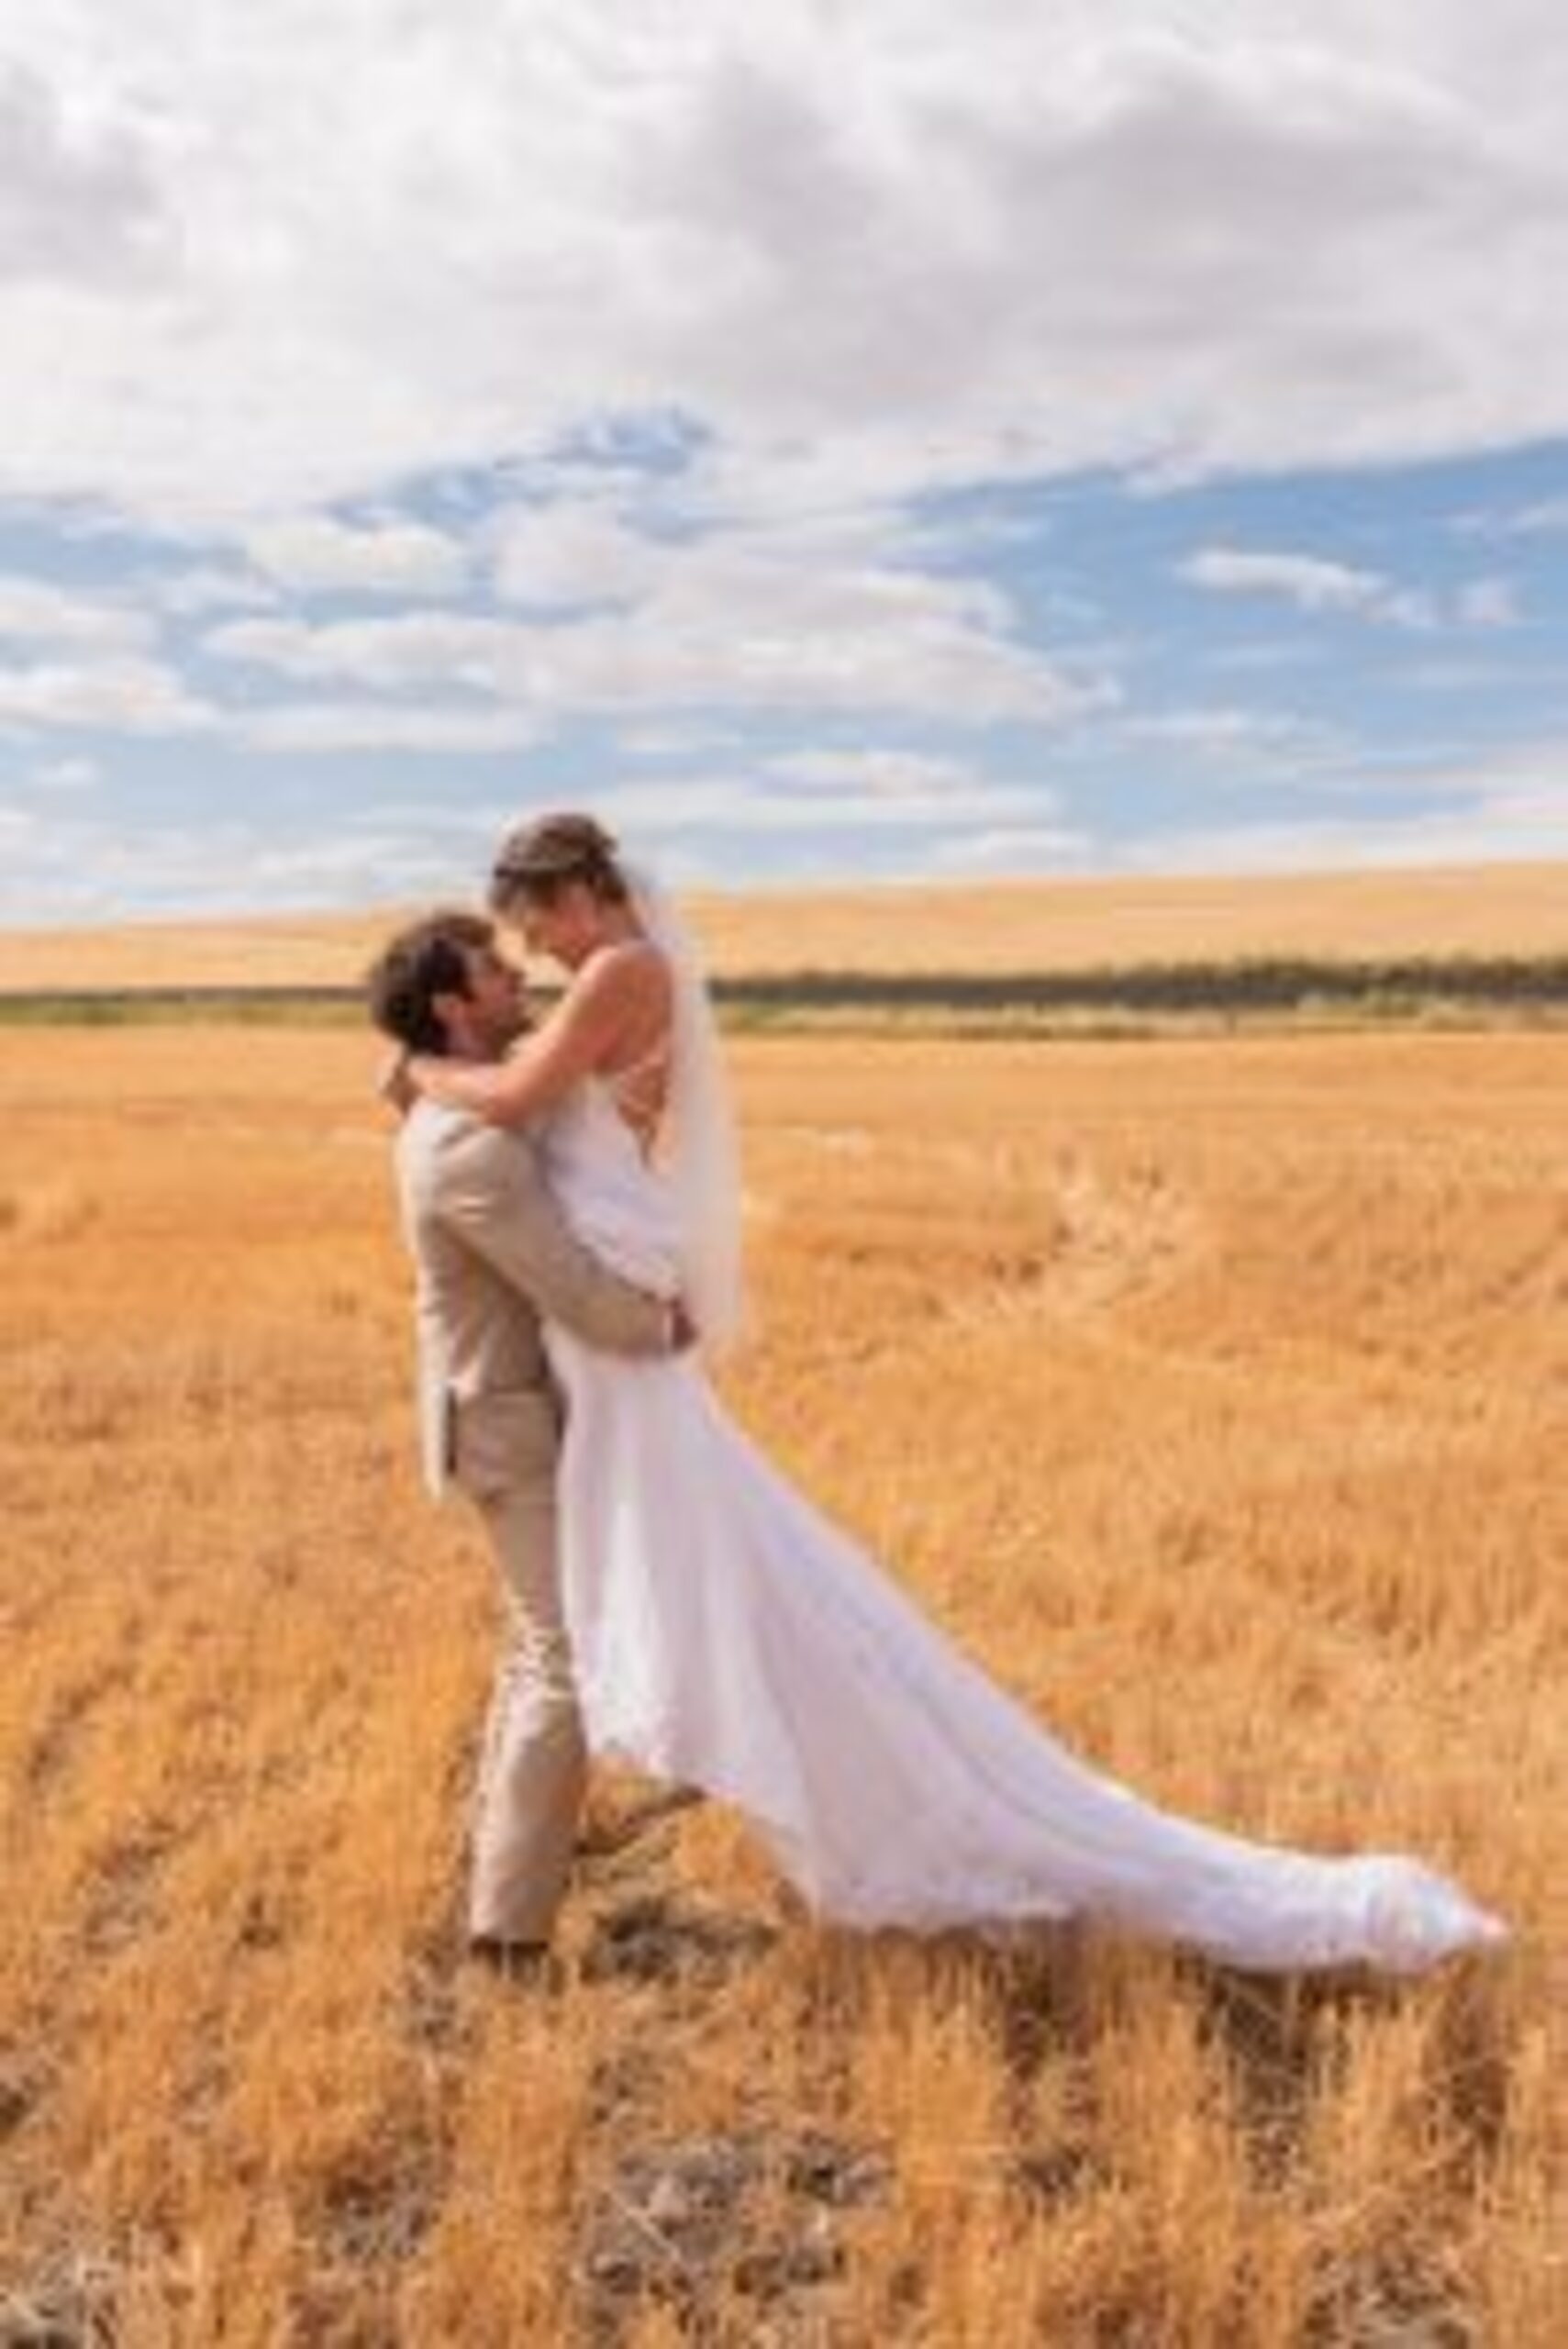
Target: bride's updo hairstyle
{"type": "Point", "coordinates": [539, 861]}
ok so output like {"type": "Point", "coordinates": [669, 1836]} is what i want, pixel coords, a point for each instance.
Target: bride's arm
{"type": "Point", "coordinates": [543, 1068]}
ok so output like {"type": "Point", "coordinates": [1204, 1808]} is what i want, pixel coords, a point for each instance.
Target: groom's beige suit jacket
{"type": "Point", "coordinates": [492, 1253]}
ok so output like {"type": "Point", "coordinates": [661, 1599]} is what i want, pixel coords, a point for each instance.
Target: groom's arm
{"type": "Point", "coordinates": [492, 1194]}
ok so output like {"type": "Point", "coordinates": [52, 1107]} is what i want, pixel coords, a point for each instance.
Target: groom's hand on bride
{"type": "Point", "coordinates": [394, 1085]}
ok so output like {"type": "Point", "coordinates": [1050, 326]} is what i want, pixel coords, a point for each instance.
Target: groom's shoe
{"type": "Point", "coordinates": [511, 1960]}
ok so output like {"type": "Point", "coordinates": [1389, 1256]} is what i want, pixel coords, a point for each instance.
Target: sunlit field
{"type": "Point", "coordinates": [1214, 1393]}
{"type": "Point", "coordinates": [1509, 910]}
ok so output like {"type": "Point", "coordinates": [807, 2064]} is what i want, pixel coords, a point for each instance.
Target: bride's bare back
{"type": "Point", "coordinates": [635, 1068]}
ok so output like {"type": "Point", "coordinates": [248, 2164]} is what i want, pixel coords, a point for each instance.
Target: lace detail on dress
{"type": "Point", "coordinates": [640, 1089]}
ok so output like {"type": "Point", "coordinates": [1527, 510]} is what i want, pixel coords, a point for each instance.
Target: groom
{"type": "Point", "coordinates": [492, 1253]}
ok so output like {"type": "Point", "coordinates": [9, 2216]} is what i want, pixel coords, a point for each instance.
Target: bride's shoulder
{"type": "Point", "coordinates": [626, 953]}
{"type": "Point", "coordinates": [627, 968]}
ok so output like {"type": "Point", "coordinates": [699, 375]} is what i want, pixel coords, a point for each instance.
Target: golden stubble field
{"type": "Point", "coordinates": [1214, 1393]}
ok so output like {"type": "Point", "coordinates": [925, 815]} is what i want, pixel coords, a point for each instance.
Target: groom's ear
{"type": "Point", "coordinates": [447, 1005]}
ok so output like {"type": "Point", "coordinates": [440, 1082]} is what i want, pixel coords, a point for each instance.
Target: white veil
{"type": "Point", "coordinates": [699, 1154]}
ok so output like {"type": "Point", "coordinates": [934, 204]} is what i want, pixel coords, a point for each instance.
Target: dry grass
{"type": "Point", "coordinates": [1214, 1393]}
{"type": "Point", "coordinates": [1518, 909]}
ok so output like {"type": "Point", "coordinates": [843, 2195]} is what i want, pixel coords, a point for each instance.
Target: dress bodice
{"type": "Point", "coordinates": [614, 1195]}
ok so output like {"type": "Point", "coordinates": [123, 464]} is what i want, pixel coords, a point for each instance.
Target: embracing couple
{"type": "Point", "coordinates": [570, 1195]}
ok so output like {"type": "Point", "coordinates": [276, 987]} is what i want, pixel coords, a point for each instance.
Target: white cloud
{"type": "Point", "coordinates": [36, 611]}
{"type": "Point", "coordinates": [774, 620]}
{"type": "Point", "coordinates": [1489, 831]}
{"type": "Point", "coordinates": [319, 555]}
{"type": "Point", "coordinates": [1551, 516]}
{"type": "Point", "coordinates": [1474, 674]}
{"type": "Point", "coordinates": [123, 696]}
{"type": "Point", "coordinates": [1311, 583]}
{"type": "Point", "coordinates": [401, 653]}
{"type": "Point", "coordinates": [68, 868]}
{"type": "Point", "coordinates": [891, 775]}
{"type": "Point", "coordinates": [1315, 585]}
{"type": "Point", "coordinates": [79, 202]}
{"type": "Point", "coordinates": [74, 868]}
{"type": "Point", "coordinates": [291, 726]}
{"type": "Point", "coordinates": [66, 775]}
{"type": "Point", "coordinates": [209, 587]}
{"type": "Point", "coordinates": [1488, 603]}
{"type": "Point", "coordinates": [1513, 806]}
{"type": "Point", "coordinates": [1273, 741]}
{"type": "Point", "coordinates": [563, 555]}
{"type": "Point", "coordinates": [687, 740]}
{"type": "Point", "coordinates": [742, 805]}
{"type": "Point", "coordinates": [1544, 518]}
{"type": "Point", "coordinates": [1262, 660]}
{"type": "Point", "coordinates": [340, 244]}
{"type": "Point", "coordinates": [1007, 851]}
{"type": "Point", "coordinates": [734, 623]}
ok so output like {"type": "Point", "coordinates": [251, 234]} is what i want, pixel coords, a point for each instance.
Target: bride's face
{"type": "Point", "coordinates": [567, 927]}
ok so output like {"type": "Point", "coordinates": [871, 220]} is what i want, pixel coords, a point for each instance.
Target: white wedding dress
{"type": "Point", "coordinates": [728, 1637]}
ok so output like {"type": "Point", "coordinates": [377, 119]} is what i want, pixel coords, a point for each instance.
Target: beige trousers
{"type": "Point", "coordinates": [533, 1761]}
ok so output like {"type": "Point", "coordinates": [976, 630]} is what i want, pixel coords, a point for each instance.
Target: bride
{"type": "Point", "coordinates": [725, 1634]}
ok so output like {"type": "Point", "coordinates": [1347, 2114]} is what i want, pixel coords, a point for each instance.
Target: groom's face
{"type": "Point", "coordinates": [491, 1016]}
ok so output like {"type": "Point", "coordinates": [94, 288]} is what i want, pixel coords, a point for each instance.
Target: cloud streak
{"type": "Point", "coordinates": [1309, 582]}
{"type": "Point", "coordinates": [725, 625]}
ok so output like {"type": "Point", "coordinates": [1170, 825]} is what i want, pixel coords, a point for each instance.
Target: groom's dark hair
{"type": "Point", "coordinates": [424, 960]}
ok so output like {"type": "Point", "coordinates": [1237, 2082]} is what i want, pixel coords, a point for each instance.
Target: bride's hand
{"type": "Point", "coordinates": [394, 1083]}
{"type": "Point", "coordinates": [683, 1328]}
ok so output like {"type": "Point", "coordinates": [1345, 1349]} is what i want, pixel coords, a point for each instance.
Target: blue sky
{"type": "Point", "coordinates": [850, 445]}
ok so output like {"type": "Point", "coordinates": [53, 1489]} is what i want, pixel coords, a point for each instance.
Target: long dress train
{"type": "Point", "coordinates": [728, 1637]}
